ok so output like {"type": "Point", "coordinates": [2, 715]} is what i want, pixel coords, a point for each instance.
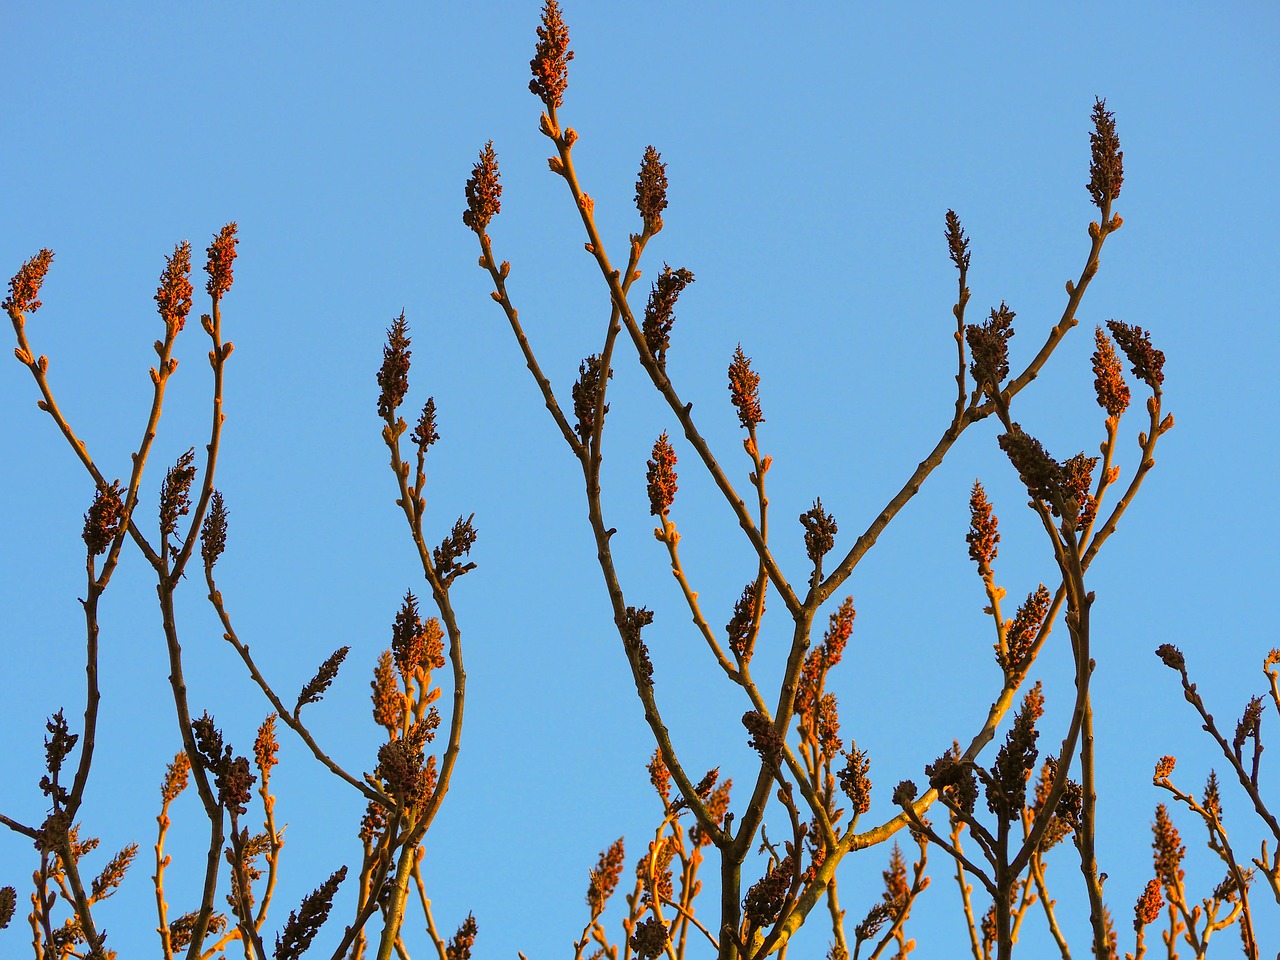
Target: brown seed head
{"type": "Point", "coordinates": [1077, 485]}
{"type": "Point", "coordinates": [1041, 474]}
{"type": "Point", "coordinates": [235, 784]}
{"type": "Point", "coordinates": [1106, 167]}
{"type": "Point", "coordinates": [1021, 635]}
{"type": "Point", "coordinates": [820, 531]}
{"type": "Point", "coordinates": [989, 345]}
{"type": "Point", "coordinates": [744, 385]}
{"type": "Point", "coordinates": [660, 776]}
{"type": "Point", "coordinates": [213, 533]}
{"type": "Point", "coordinates": [456, 545]}
{"type": "Point", "coordinates": [984, 533]}
{"type": "Point", "coordinates": [661, 477]}
{"type": "Point", "coordinates": [175, 778]}
{"type": "Point", "coordinates": [323, 678]}
{"type": "Point", "coordinates": [24, 288]}
{"type": "Point", "coordinates": [104, 520]}
{"type": "Point", "coordinates": [175, 493]}
{"type": "Point", "coordinates": [425, 433]}
{"type": "Point", "coordinates": [388, 703]}
{"type": "Point", "coordinates": [741, 629]}
{"type": "Point", "coordinates": [605, 876]}
{"type": "Point", "coordinates": [8, 901]}
{"type": "Point", "coordinates": [651, 190]}
{"type": "Point", "coordinates": [265, 747]}
{"type": "Point", "coordinates": [1148, 362]}
{"type": "Point", "coordinates": [459, 947]}
{"type": "Point", "coordinates": [763, 739]}
{"type": "Point", "coordinates": [650, 939]}
{"type": "Point", "coordinates": [1249, 725]}
{"type": "Point", "coordinates": [586, 395]}
{"type": "Point", "coordinates": [1171, 656]}
{"type": "Point", "coordinates": [634, 622]}
{"type": "Point", "coordinates": [222, 254]}
{"type": "Point", "coordinates": [957, 242]}
{"type": "Point", "coordinates": [484, 191]}
{"type": "Point", "coordinates": [659, 315]}
{"type": "Point", "coordinates": [303, 924]}
{"type": "Point", "coordinates": [1164, 767]}
{"type": "Point", "coordinates": [1212, 799]}
{"type": "Point", "coordinates": [173, 296]}
{"type": "Point", "coordinates": [954, 779]}
{"type": "Point", "coordinates": [393, 377]}
{"type": "Point", "coordinates": [764, 901]}
{"type": "Point", "coordinates": [854, 780]}
{"type": "Point", "coordinates": [1113, 392]}
{"type": "Point", "coordinates": [1007, 790]}
{"type": "Point", "coordinates": [550, 63]}
{"type": "Point", "coordinates": [1168, 849]}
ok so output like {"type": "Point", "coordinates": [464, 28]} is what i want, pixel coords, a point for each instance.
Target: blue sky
{"type": "Point", "coordinates": [811, 156]}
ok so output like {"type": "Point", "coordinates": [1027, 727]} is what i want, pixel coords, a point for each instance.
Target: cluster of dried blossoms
{"type": "Point", "coordinates": [408, 781]}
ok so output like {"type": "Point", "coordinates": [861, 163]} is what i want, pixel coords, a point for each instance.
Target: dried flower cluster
{"type": "Point", "coordinates": [1106, 168]}
{"type": "Point", "coordinates": [651, 190]}
{"type": "Point", "coordinates": [661, 477]}
{"type": "Point", "coordinates": [24, 288]}
{"type": "Point", "coordinates": [989, 345]}
{"type": "Point", "coordinates": [744, 386]}
{"type": "Point", "coordinates": [105, 519]}
{"type": "Point", "coordinates": [484, 191]}
{"type": "Point", "coordinates": [1113, 392]}
{"type": "Point", "coordinates": [173, 297]}
{"type": "Point", "coordinates": [1148, 362]}
{"type": "Point", "coordinates": [393, 376]}
{"type": "Point", "coordinates": [550, 63]}
{"type": "Point", "coordinates": [659, 315]}
{"type": "Point", "coordinates": [586, 395]}
{"type": "Point", "coordinates": [222, 254]}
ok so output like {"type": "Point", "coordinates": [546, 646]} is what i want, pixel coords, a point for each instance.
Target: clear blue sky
{"type": "Point", "coordinates": [811, 156]}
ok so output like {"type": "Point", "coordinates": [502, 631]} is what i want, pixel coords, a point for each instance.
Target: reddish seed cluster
{"type": "Point", "coordinates": [744, 385]}
{"type": "Point", "coordinates": [651, 190]}
{"type": "Point", "coordinates": [104, 520]}
{"type": "Point", "coordinates": [661, 477]}
{"type": "Point", "coordinates": [175, 493]}
{"type": "Point", "coordinates": [741, 628]}
{"type": "Point", "coordinates": [484, 191]}
{"type": "Point", "coordinates": [1020, 637]}
{"type": "Point", "coordinates": [550, 63]}
{"type": "Point", "coordinates": [24, 288]}
{"type": "Point", "coordinates": [173, 297]}
{"type": "Point", "coordinates": [460, 945]}
{"type": "Point", "coordinates": [222, 254]}
{"type": "Point", "coordinates": [604, 878]}
{"type": "Point", "coordinates": [984, 532]}
{"type": "Point", "coordinates": [1112, 391]}
{"type": "Point", "coordinates": [854, 780]}
{"type": "Point", "coordinates": [1168, 850]}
